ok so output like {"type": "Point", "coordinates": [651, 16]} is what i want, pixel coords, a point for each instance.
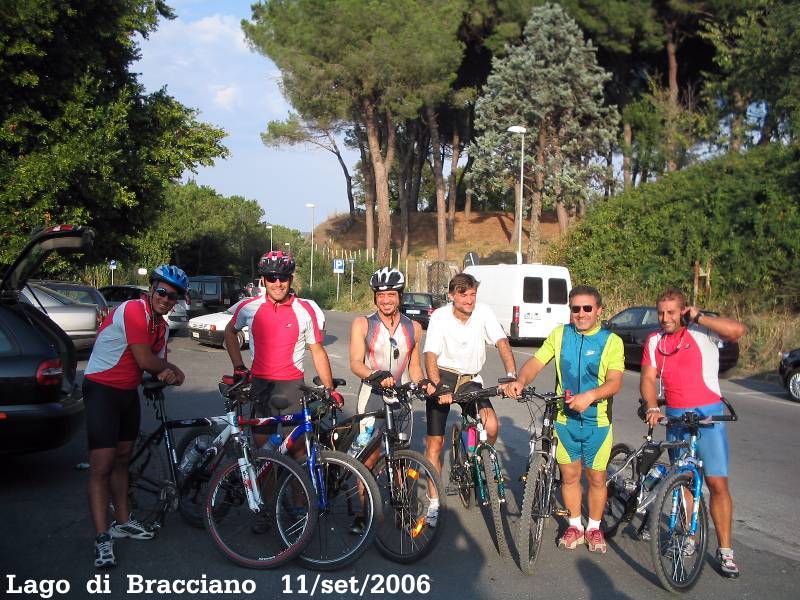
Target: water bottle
{"type": "Point", "coordinates": [470, 438]}
{"type": "Point", "coordinates": [361, 440]}
{"type": "Point", "coordinates": [655, 475]}
{"type": "Point", "coordinates": [192, 456]}
{"type": "Point", "coordinates": [273, 442]}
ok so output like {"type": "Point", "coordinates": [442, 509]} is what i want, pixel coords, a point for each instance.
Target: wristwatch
{"type": "Point", "coordinates": [510, 374]}
{"type": "Point", "coordinates": [697, 317]}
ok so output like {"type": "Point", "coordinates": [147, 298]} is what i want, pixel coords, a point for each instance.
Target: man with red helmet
{"type": "Point", "coordinates": [281, 327]}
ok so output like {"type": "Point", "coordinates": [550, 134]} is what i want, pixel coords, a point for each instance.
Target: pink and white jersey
{"type": "Point", "coordinates": [112, 362]}
{"type": "Point", "coordinates": [688, 364]}
{"type": "Point", "coordinates": [278, 335]}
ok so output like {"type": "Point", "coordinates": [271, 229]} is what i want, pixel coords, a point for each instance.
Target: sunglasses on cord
{"type": "Point", "coordinates": [273, 277]}
{"type": "Point", "coordinates": [577, 308]}
{"type": "Point", "coordinates": [395, 349]}
{"type": "Point", "coordinates": [173, 296]}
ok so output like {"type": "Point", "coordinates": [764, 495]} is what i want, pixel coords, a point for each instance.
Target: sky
{"type": "Point", "coordinates": [204, 61]}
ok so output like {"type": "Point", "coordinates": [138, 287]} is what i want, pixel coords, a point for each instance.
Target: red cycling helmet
{"type": "Point", "coordinates": [276, 262]}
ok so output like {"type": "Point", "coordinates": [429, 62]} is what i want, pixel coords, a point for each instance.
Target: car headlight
{"type": "Point", "coordinates": [784, 355]}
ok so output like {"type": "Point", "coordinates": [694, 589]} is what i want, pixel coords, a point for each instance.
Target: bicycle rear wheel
{"type": "Point", "coordinates": [405, 536]}
{"type": "Point", "coordinates": [678, 561]}
{"type": "Point", "coordinates": [193, 492]}
{"type": "Point", "coordinates": [621, 479]}
{"type": "Point", "coordinates": [148, 479]}
{"type": "Point", "coordinates": [251, 539]}
{"type": "Point", "coordinates": [349, 491]}
{"type": "Point", "coordinates": [535, 507]}
{"type": "Point", "coordinates": [459, 474]}
{"type": "Point", "coordinates": [493, 478]}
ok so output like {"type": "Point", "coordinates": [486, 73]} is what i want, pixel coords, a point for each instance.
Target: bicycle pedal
{"type": "Point", "coordinates": [561, 512]}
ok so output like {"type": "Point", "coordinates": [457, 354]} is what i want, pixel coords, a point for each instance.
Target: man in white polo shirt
{"type": "Point", "coordinates": [455, 350]}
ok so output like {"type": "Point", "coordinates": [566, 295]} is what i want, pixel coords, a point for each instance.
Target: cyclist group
{"type": "Point", "coordinates": [679, 368]}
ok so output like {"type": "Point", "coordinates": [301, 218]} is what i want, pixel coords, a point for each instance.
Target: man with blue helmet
{"type": "Point", "coordinates": [130, 341]}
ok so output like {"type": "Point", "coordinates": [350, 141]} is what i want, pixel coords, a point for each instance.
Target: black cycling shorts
{"type": "Point", "coordinates": [273, 398]}
{"type": "Point", "coordinates": [112, 415]}
{"type": "Point", "coordinates": [436, 414]}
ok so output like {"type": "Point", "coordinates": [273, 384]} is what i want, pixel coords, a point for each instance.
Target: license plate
{"type": "Point", "coordinates": [195, 334]}
{"type": "Point", "coordinates": [413, 312]}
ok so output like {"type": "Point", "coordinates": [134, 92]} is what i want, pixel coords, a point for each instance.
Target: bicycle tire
{"type": "Point", "coordinates": [620, 504]}
{"type": "Point", "coordinates": [535, 505]}
{"type": "Point", "coordinates": [676, 571]}
{"type": "Point", "coordinates": [459, 475]}
{"type": "Point", "coordinates": [193, 493]}
{"type": "Point", "coordinates": [148, 475]}
{"type": "Point", "coordinates": [492, 478]}
{"type": "Point", "coordinates": [234, 527]}
{"type": "Point", "coordinates": [405, 536]}
{"type": "Point", "coordinates": [344, 477]}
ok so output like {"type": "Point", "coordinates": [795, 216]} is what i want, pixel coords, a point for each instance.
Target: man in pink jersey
{"type": "Point", "coordinates": [684, 357]}
{"type": "Point", "coordinates": [281, 327]}
{"type": "Point", "coordinates": [131, 340]}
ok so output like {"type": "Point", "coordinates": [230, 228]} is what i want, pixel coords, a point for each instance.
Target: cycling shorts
{"type": "Point", "coordinates": [112, 414]}
{"type": "Point", "coordinates": [712, 439]}
{"type": "Point", "coordinates": [273, 398]}
{"type": "Point", "coordinates": [436, 414]}
{"type": "Point", "coordinates": [578, 440]}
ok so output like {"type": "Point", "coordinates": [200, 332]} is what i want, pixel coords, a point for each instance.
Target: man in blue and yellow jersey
{"type": "Point", "coordinates": [589, 363]}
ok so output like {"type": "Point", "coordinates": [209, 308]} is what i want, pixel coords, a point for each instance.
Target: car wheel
{"type": "Point", "coordinates": [239, 336]}
{"type": "Point", "coordinates": [793, 385]}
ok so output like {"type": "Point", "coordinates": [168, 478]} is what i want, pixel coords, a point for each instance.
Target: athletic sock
{"type": "Point", "coordinates": [576, 522]}
{"type": "Point", "coordinates": [593, 524]}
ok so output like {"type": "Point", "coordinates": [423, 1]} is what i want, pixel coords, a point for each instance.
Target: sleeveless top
{"type": "Point", "coordinates": [384, 354]}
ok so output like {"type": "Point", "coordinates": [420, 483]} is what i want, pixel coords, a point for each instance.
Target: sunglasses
{"type": "Point", "coordinates": [587, 308]}
{"type": "Point", "coordinates": [395, 349]}
{"type": "Point", "coordinates": [273, 277]}
{"type": "Point", "coordinates": [173, 296]}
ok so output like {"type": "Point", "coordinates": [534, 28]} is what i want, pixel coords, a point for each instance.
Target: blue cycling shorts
{"type": "Point", "coordinates": [579, 440]}
{"type": "Point", "coordinates": [712, 439]}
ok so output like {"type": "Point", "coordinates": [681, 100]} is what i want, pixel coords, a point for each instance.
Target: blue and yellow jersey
{"type": "Point", "coordinates": [582, 361]}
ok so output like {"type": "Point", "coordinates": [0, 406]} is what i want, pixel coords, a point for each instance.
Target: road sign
{"type": "Point", "coordinates": [112, 264]}
{"type": "Point", "coordinates": [338, 265]}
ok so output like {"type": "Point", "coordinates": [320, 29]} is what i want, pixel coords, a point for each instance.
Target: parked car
{"type": "Point", "coordinates": [79, 320]}
{"type": "Point", "coordinates": [41, 406]}
{"type": "Point", "coordinates": [789, 371]}
{"type": "Point", "coordinates": [80, 292]}
{"type": "Point", "coordinates": [213, 293]}
{"type": "Point", "coordinates": [419, 306]}
{"type": "Point", "coordinates": [115, 295]}
{"type": "Point", "coordinates": [634, 324]}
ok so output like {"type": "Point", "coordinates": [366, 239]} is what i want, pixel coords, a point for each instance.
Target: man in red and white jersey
{"type": "Point", "coordinates": [684, 357]}
{"type": "Point", "coordinates": [281, 327]}
{"type": "Point", "coordinates": [131, 340]}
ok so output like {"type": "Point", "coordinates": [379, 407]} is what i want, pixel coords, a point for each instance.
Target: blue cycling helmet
{"type": "Point", "coordinates": [172, 275]}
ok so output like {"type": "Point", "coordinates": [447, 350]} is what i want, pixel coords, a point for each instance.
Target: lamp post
{"type": "Point", "coordinates": [270, 237]}
{"type": "Point", "coordinates": [311, 278]}
{"type": "Point", "coordinates": [521, 130]}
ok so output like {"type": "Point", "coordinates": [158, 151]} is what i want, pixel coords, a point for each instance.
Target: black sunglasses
{"type": "Point", "coordinates": [273, 277]}
{"type": "Point", "coordinates": [577, 308]}
{"type": "Point", "coordinates": [168, 295]}
{"type": "Point", "coordinates": [395, 349]}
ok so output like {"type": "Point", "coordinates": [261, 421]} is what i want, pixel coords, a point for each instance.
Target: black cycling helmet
{"type": "Point", "coordinates": [172, 275]}
{"type": "Point", "coordinates": [276, 262]}
{"type": "Point", "coordinates": [387, 278]}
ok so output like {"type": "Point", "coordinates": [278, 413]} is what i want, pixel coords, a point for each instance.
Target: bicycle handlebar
{"type": "Point", "coordinates": [529, 393]}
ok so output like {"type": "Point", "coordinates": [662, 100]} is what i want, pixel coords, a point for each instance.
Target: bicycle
{"type": "Point", "coordinates": [477, 470]}
{"type": "Point", "coordinates": [344, 487]}
{"type": "Point", "coordinates": [156, 488]}
{"type": "Point", "coordinates": [542, 477]}
{"type": "Point", "coordinates": [677, 523]}
{"type": "Point", "coordinates": [405, 477]}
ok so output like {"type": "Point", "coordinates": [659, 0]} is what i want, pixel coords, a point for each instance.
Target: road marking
{"type": "Point", "coordinates": [333, 355]}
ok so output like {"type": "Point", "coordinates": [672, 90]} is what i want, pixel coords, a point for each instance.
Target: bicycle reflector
{"type": "Point", "coordinates": [412, 473]}
{"type": "Point", "coordinates": [418, 527]}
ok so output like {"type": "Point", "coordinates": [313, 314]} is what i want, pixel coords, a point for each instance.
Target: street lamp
{"type": "Point", "coordinates": [521, 130]}
{"type": "Point", "coordinates": [270, 237]}
{"type": "Point", "coordinates": [311, 278]}
{"type": "Point", "coordinates": [288, 247]}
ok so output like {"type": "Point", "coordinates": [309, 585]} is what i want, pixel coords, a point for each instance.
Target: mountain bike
{"type": "Point", "coordinates": [477, 470]}
{"type": "Point", "coordinates": [406, 479]}
{"type": "Point", "coordinates": [344, 487]}
{"type": "Point", "coordinates": [237, 492]}
{"type": "Point", "coordinates": [542, 476]}
{"type": "Point", "coordinates": [674, 511]}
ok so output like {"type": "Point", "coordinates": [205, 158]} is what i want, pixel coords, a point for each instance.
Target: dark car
{"type": "Point", "coordinates": [213, 293]}
{"type": "Point", "coordinates": [419, 306]}
{"type": "Point", "coordinates": [634, 324]}
{"type": "Point", "coordinates": [789, 371]}
{"type": "Point", "coordinates": [40, 402]}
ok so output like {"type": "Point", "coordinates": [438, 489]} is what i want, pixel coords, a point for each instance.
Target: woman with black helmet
{"type": "Point", "coordinates": [131, 340]}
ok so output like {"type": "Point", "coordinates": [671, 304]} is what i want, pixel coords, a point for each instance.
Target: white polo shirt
{"type": "Point", "coordinates": [462, 346]}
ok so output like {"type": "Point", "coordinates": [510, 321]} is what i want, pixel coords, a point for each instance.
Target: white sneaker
{"type": "Point", "coordinates": [132, 529]}
{"type": "Point", "coordinates": [433, 516]}
{"type": "Point", "coordinates": [104, 551]}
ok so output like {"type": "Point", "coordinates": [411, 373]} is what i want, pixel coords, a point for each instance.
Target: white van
{"type": "Point", "coordinates": [528, 300]}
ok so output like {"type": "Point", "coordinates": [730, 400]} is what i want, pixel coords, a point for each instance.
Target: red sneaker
{"type": "Point", "coordinates": [571, 538]}
{"type": "Point", "coordinates": [596, 541]}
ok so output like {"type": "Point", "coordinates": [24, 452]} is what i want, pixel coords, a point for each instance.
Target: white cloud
{"type": "Point", "coordinates": [225, 97]}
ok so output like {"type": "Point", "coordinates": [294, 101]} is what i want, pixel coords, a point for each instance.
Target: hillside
{"type": "Point", "coordinates": [487, 233]}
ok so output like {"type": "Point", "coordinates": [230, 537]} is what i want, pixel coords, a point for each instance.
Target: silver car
{"type": "Point", "coordinates": [78, 320]}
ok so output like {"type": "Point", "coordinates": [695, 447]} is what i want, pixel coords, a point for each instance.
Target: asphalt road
{"type": "Point", "coordinates": [45, 532]}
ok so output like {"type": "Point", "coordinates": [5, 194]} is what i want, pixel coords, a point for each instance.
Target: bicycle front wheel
{"type": "Point", "coordinates": [148, 476]}
{"type": "Point", "coordinates": [534, 511]}
{"type": "Point", "coordinates": [349, 510]}
{"type": "Point", "coordinates": [493, 478]}
{"type": "Point", "coordinates": [194, 491]}
{"type": "Point", "coordinates": [620, 484]}
{"type": "Point", "coordinates": [459, 473]}
{"type": "Point", "coordinates": [406, 535]}
{"type": "Point", "coordinates": [678, 557]}
{"type": "Point", "coordinates": [251, 539]}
